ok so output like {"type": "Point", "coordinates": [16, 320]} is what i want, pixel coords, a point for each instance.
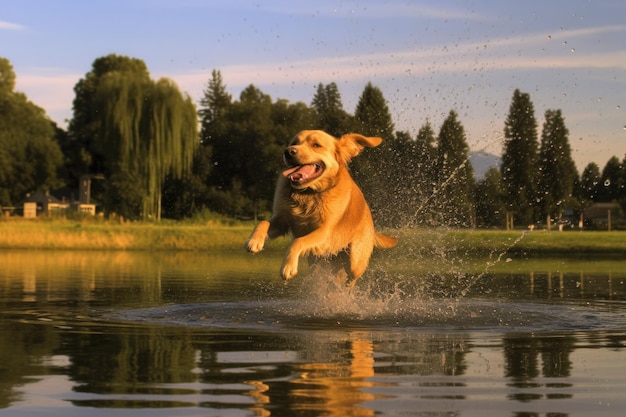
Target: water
{"type": "Point", "coordinates": [195, 334]}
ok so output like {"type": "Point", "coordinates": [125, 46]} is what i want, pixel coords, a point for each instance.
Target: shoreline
{"type": "Point", "coordinates": [181, 236]}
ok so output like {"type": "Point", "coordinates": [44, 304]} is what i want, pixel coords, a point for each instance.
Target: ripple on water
{"type": "Point", "coordinates": [321, 303]}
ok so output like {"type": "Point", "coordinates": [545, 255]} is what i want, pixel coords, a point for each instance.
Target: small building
{"type": "Point", "coordinates": [42, 203]}
{"type": "Point", "coordinates": [604, 216]}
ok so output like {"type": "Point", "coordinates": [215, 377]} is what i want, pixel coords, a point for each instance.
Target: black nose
{"type": "Point", "coordinates": [290, 152]}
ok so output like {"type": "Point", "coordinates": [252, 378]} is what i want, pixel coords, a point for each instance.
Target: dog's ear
{"type": "Point", "coordinates": [351, 144]}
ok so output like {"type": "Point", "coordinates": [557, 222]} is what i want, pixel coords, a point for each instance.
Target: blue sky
{"type": "Point", "coordinates": [428, 57]}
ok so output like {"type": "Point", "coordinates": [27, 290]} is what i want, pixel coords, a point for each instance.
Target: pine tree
{"type": "Point", "coordinates": [331, 117]}
{"type": "Point", "coordinates": [490, 210]}
{"type": "Point", "coordinates": [557, 171]}
{"type": "Point", "coordinates": [610, 181]}
{"type": "Point", "coordinates": [519, 161]}
{"type": "Point", "coordinates": [214, 107]}
{"type": "Point", "coordinates": [372, 114]}
{"type": "Point", "coordinates": [455, 175]}
{"type": "Point", "coordinates": [590, 181]}
{"type": "Point", "coordinates": [375, 170]}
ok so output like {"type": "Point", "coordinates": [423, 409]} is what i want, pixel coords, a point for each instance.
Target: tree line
{"type": "Point", "coordinates": [162, 156]}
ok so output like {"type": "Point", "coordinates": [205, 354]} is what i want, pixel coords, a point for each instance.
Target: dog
{"type": "Point", "coordinates": [317, 200]}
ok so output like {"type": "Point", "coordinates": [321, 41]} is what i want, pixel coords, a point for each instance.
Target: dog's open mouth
{"type": "Point", "coordinates": [301, 174]}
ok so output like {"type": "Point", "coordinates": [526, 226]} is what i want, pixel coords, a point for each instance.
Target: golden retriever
{"type": "Point", "coordinates": [317, 200]}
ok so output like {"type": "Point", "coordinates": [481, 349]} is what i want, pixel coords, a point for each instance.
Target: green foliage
{"type": "Point", "coordinates": [30, 157]}
{"type": "Point", "coordinates": [455, 175]}
{"type": "Point", "coordinates": [142, 135]}
{"type": "Point", "coordinates": [331, 117]}
{"type": "Point", "coordinates": [519, 159]}
{"type": "Point", "coordinates": [613, 181]}
{"type": "Point", "coordinates": [557, 171]}
{"type": "Point", "coordinates": [144, 131]}
{"type": "Point", "coordinates": [246, 139]}
{"type": "Point", "coordinates": [490, 206]}
{"type": "Point", "coordinates": [372, 114]}
{"type": "Point", "coordinates": [589, 186]}
{"type": "Point", "coordinates": [85, 125]}
{"type": "Point", "coordinates": [376, 170]}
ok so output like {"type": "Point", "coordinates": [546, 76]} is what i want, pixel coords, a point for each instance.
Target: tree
{"type": "Point", "coordinates": [590, 182]}
{"type": "Point", "coordinates": [455, 175]}
{"type": "Point", "coordinates": [147, 131]}
{"type": "Point", "coordinates": [611, 180]}
{"type": "Point", "coordinates": [331, 117]}
{"type": "Point", "coordinates": [83, 149]}
{"type": "Point", "coordinates": [490, 207]}
{"type": "Point", "coordinates": [30, 157]}
{"type": "Point", "coordinates": [519, 160]}
{"type": "Point", "coordinates": [557, 170]}
{"type": "Point", "coordinates": [372, 114]}
{"type": "Point", "coordinates": [374, 169]}
{"type": "Point", "coordinates": [214, 108]}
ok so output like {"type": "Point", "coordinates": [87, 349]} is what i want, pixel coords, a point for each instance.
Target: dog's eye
{"type": "Point", "coordinates": [317, 145]}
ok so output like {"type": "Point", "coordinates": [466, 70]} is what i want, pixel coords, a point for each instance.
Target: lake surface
{"type": "Point", "coordinates": [219, 334]}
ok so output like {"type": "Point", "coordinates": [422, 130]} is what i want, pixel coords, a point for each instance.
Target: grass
{"type": "Point", "coordinates": [481, 242]}
{"type": "Point", "coordinates": [70, 235]}
{"type": "Point", "coordinates": [214, 235]}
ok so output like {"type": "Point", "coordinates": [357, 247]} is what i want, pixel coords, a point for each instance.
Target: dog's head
{"type": "Point", "coordinates": [314, 157]}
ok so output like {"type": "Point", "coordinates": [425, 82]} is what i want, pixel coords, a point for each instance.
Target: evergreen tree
{"type": "Point", "coordinates": [557, 171]}
{"type": "Point", "coordinates": [590, 181]}
{"type": "Point", "coordinates": [214, 107]}
{"type": "Point", "coordinates": [375, 170]}
{"type": "Point", "coordinates": [425, 144]}
{"type": "Point", "coordinates": [331, 117]}
{"type": "Point", "coordinates": [611, 181]}
{"type": "Point", "coordinates": [455, 175]}
{"type": "Point", "coordinates": [490, 207]}
{"type": "Point", "coordinates": [519, 161]}
{"type": "Point", "coordinates": [372, 114]}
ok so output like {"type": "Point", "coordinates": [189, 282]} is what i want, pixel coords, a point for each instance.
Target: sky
{"type": "Point", "coordinates": [427, 57]}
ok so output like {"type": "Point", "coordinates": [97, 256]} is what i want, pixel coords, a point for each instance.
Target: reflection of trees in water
{"type": "Point", "coordinates": [533, 362]}
{"type": "Point", "coordinates": [321, 370]}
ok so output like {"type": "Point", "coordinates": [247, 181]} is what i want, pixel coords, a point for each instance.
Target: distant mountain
{"type": "Point", "coordinates": [482, 161]}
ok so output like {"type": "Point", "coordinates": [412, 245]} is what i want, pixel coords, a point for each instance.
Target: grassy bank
{"type": "Point", "coordinates": [70, 235]}
{"type": "Point", "coordinates": [492, 242]}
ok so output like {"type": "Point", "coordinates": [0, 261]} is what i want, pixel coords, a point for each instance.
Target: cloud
{"type": "Point", "coordinates": [10, 26]}
{"type": "Point", "coordinates": [51, 89]}
{"type": "Point", "coordinates": [387, 9]}
{"type": "Point", "coordinates": [496, 55]}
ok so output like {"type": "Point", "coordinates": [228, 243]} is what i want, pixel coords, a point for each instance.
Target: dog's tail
{"type": "Point", "coordinates": [382, 241]}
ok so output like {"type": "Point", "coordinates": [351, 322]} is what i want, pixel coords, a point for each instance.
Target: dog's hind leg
{"type": "Point", "coordinates": [360, 253]}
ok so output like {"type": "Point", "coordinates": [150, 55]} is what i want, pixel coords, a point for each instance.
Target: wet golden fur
{"type": "Point", "coordinates": [327, 214]}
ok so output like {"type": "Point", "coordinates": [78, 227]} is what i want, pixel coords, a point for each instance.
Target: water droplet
{"type": "Point", "coordinates": [607, 182]}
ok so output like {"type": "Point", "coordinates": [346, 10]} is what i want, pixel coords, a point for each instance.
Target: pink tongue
{"type": "Point", "coordinates": [300, 173]}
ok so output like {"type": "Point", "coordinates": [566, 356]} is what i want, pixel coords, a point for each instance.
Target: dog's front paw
{"type": "Point", "coordinates": [289, 269]}
{"type": "Point", "coordinates": [254, 244]}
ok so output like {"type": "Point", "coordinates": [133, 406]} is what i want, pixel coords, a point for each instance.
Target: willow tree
{"type": "Point", "coordinates": [148, 131]}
